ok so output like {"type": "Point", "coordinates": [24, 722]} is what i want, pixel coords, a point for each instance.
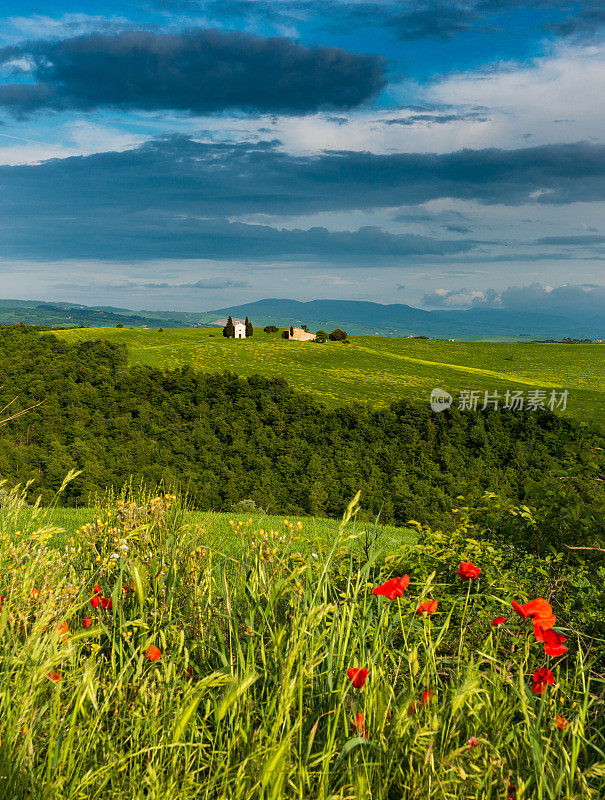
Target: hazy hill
{"type": "Point", "coordinates": [356, 317]}
{"type": "Point", "coordinates": [361, 317]}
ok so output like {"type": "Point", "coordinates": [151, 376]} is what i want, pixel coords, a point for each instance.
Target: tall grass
{"type": "Point", "coordinates": [250, 697]}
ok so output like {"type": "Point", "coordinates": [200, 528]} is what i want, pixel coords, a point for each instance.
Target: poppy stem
{"type": "Point", "coordinates": [462, 624]}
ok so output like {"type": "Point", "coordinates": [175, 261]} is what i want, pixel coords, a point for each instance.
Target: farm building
{"type": "Point", "coordinates": [240, 330]}
{"type": "Point", "coordinates": [298, 334]}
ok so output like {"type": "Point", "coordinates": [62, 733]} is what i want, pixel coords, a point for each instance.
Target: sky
{"type": "Point", "coordinates": [192, 155]}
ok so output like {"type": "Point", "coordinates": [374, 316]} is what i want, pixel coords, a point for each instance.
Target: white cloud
{"type": "Point", "coordinates": [77, 137]}
{"type": "Point", "coordinates": [42, 26]}
{"type": "Point", "coordinates": [553, 97]}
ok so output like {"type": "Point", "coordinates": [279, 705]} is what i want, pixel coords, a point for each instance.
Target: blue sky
{"type": "Point", "coordinates": [190, 155]}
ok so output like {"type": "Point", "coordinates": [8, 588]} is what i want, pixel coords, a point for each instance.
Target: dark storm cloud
{"type": "Point", "coordinates": [580, 239]}
{"type": "Point", "coordinates": [201, 71]}
{"type": "Point", "coordinates": [442, 20]}
{"type": "Point", "coordinates": [448, 19]}
{"type": "Point", "coordinates": [585, 25]}
{"type": "Point", "coordinates": [462, 229]}
{"type": "Point", "coordinates": [180, 175]}
{"type": "Point", "coordinates": [155, 235]}
{"type": "Point", "coordinates": [437, 119]}
{"type": "Point", "coordinates": [163, 198]}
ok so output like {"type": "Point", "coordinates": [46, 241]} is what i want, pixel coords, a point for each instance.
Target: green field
{"type": "Point", "coordinates": [229, 533]}
{"type": "Point", "coordinates": [374, 369]}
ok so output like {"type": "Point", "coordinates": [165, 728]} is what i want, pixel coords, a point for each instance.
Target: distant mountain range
{"type": "Point", "coordinates": [356, 317]}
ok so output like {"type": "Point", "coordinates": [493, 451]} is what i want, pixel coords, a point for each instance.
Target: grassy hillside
{"type": "Point", "coordinates": [375, 369]}
{"type": "Point", "coordinates": [228, 533]}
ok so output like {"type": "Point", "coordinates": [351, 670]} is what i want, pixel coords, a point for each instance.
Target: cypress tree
{"type": "Point", "coordinates": [229, 329]}
{"type": "Point", "coordinates": [249, 328]}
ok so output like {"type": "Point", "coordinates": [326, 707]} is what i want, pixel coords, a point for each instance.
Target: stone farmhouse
{"type": "Point", "coordinates": [298, 334]}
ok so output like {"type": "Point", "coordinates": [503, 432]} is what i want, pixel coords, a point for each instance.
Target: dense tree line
{"type": "Point", "coordinates": [225, 438]}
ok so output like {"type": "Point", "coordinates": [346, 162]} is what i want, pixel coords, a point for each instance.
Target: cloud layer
{"type": "Point", "coordinates": [201, 71]}
{"type": "Point", "coordinates": [566, 300]}
{"type": "Point", "coordinates": [181, 175]}
{"type": "Point", "coordinates": [179, 198]}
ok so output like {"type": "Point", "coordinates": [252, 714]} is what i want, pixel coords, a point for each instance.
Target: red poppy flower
{"type": "Point", "coordinates": [95, 601]}
{"type": "Point", "coordinates": [542, 678]}
{"type": "Point", "coordinates": [2, 598]}
{"type": "Point", "coordinates": [537, 610]}
{"type": "Point", "coordinates": [427, 696]}
{"type": "Point", "coordinates": [153, 653]}
{"type": "Point", "coordinates": [498, 621]}
{"type": "Point", "coordinates": [473, 742]}
{"type": "Point", "coordinates": [430, 606]}
{"type": "Point", "coordinates": [553, 641]}
{"type": "Point", "coordinates": [357, 676]}
{"type": "Point", "coordinates": [63, 631]}
{"type": "Point", "coordinates": [395, 587]}
{"type": "Point", "coordinates": [468, 570]}
{"type": "Point", "coordinates": [97, 589]}
{"type": "Point", "coordinates": [35, 592]}
{"type": "Point", "coordinates": [106, 603]}
{"type": "Point", "coordinates": [562, 723]}
{"type": "Point", "coordinates": [360, 726]}
{"type": "Point", "coordinates": [54, 676]}
{"type": "Point", "coordinates": [87, 622]}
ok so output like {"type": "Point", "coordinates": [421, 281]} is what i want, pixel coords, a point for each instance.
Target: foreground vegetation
{"type": "Point", "coordinates": [225, 439]}
{"type": "Point", "coordinates": [226, 532]}
{"type": "Point", "coordinates": [140, 661]}
{"type": "Point", "coordinates": [374, 369]}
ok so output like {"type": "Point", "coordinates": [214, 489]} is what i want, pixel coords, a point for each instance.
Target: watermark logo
{"type": "Point", "coordinates": [440, 400]}
{"type": "Point", "coordinates": [511, 400]}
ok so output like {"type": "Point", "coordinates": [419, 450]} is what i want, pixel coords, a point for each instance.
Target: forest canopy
{"type": "Point", "coordinates": [224, 438]}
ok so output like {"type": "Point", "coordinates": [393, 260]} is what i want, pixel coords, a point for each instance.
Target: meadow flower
{"type": "Point", "coordinates": [468, 570]}
{"type": "Point", "coordinates": [427, 696]}
{"type": "Point", "coordinates": [498, 621]}
{"type": "Point", "coordinates": [95, 601]}
{"type": "Point", "coordinates": [357, 676]}
{"type": "Point", "coordinates": [562, 723]}
{"type": "Point", "coordinates": [553, 641]}
{"type": "Point", "coordinates": [360, 726]}
{"type": "Point", "coordinates": [430, 606]}
{"type": "Point", "coordinates": [153, 653]}
{"type": "Point", "coordinates": [472, 742]}
{"type": "Point", "coordinates": [87, 622]}
{"type": "Point", "coordinates": [537, 610]}
{"type": "Point", "coordinates": [543, 677]}
{"type": "Point", "coordinates": [63, 631]}
{"type": "Point", "coordinates": [395, 587]}
{"type": "Point", "coordinates": [54, 676]}
{"type": "Point", "coordinates": [106, 603]}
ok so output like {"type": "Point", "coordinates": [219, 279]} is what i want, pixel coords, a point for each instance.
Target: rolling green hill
{"type": "Point", "coordinates": [377, 370]}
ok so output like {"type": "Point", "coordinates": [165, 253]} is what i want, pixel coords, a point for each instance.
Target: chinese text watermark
{"type": "Point", "coordinates": [510, 400]}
